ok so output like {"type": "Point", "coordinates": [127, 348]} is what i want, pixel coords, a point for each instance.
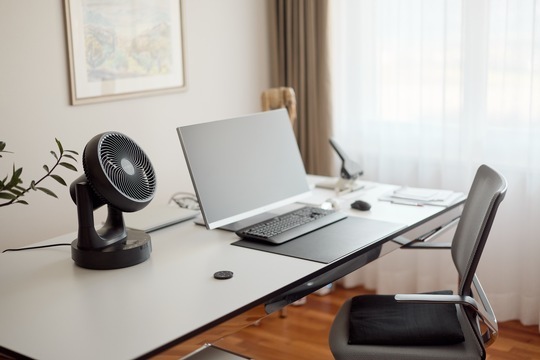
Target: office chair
{"type": "Point", "coordinates": [279, 98]}
{"type": "Point", "coordinates": [436, 325]}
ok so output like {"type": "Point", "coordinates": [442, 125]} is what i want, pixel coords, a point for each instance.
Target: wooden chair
{"type": "Point", "coordinates": [279, 98]}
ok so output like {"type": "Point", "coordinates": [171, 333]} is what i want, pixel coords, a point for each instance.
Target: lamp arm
{"type": "Point", "coordinates": [350, 170]}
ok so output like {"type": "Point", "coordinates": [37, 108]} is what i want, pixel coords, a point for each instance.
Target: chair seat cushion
{"type": "Point", "coordinates": [381, 320]}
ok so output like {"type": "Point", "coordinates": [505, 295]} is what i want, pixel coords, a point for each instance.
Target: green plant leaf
{"type": "Point", "coordinates": [2, 147]}
{"type": "Point", "coordinates": [16, 192]}
{"type": "Point", "coordinates": [70, 156]}
{"type": "Point", "coordinates": [7, 196]}
{"type": "Point", "coordinates": [46, 191]}
{"type": "Point", "coordinates": [68, 166]}
{"type": "Point", "coordinates": [59, 179]}
{"type": "Point", "coordinates": [60, 148]}
{"type": "Point", "coordinates": [15, 178]}
{"type": "Point", "coordinates": [11, 187]}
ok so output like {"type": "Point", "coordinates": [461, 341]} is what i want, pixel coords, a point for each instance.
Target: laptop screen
{"type": "Point", "coordinates": [243, 166]}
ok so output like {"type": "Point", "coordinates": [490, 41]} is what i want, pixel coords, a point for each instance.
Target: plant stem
{"type": "Point", "coordinates": [35, 183]}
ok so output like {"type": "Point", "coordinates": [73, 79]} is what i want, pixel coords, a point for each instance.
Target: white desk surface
{"type": "Point", "coordinates": [52, 309]}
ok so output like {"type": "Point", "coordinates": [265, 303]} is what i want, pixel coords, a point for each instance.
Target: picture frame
{"type": "Point", "coordinates": [124, 49]}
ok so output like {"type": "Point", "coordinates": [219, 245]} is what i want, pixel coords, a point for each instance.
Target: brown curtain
{"type": "Point", "coordinates": [299, 32]}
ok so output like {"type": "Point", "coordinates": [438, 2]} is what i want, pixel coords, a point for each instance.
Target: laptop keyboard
{"type": "Point", "coordinates": [291, 225]}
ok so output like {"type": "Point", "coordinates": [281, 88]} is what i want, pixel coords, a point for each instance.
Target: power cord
{"type": "Point", "coordinates": [182, 199]}
{"type": "Point", "coordinates": [37, 247]}
{"type": "Point", "coordinates": [185, 200]}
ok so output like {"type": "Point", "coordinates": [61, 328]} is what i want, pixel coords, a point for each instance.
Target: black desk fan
{"type": "Point", "coordinates": [119, 174]}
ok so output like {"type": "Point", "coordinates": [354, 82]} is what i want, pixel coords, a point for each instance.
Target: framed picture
{"type": "Point", "coordinates": [124, 48]}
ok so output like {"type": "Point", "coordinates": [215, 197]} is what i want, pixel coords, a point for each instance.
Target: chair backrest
{"type": "Point", "coordinates": [486, 193]}
{"type": "Point", "coordinates": [278, 98]}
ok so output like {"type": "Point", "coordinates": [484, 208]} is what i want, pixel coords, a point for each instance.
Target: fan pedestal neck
{"type": "Point", "coordinates": [112, 246]}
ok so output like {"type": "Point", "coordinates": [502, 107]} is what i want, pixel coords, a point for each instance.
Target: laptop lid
{"type": "Point", "coordinates": [241, 167]}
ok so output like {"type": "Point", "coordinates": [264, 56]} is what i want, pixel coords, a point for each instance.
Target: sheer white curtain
{"type": "Point", "coordinates": [425, 92]}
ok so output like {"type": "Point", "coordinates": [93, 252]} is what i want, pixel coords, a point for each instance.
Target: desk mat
{"type": "Point", "coordinates": [330, 242]}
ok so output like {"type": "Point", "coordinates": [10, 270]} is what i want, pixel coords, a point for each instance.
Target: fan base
{"type": "Point", "coordinates": [133, 250]}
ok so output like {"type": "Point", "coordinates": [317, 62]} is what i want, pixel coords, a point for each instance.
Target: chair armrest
{"type": "Point", "coordinates": [437, 299]}
{"type": "Point", "coordinates": [485, 313]}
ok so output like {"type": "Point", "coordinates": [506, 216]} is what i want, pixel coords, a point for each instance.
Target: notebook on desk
{"type": "Point", "coordinates": [422, 196]}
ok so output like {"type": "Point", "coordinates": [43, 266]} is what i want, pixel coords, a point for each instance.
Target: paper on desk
{"type": "Point", "coordinates": [423, 196]}
{"type": "Point", "coordinates": [410, 193]}
{"type": "Point", "coordinates": [320, 198]}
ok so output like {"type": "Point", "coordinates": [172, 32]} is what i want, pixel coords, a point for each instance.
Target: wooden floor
{"type": "Point", "coordinates": [303, 334]}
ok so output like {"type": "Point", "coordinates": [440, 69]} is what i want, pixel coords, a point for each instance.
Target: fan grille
{"type": "Point", "coordinates": [127, 167]}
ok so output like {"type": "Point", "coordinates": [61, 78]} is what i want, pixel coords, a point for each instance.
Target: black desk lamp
{"type": "Point", "coordinates": [350, 172]}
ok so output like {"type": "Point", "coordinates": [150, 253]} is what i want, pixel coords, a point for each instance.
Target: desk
{"type": "Point", "coordinates": [52, 309]}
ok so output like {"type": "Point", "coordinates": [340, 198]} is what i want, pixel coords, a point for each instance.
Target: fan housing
{"type": "Point", "coordinates": [117, 174]}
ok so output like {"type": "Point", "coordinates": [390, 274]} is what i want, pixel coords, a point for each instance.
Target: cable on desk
{"type": "Point", "coordinates": [37, 247]}
{"type": "Point", "coordinates": [185, 200]}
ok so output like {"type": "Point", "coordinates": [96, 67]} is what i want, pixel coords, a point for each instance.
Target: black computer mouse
{"type": "Point", "coordinates": [361, 205]}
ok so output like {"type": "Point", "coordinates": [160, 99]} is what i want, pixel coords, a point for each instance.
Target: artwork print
{"type": "Point", "coordinates": [124, 48]}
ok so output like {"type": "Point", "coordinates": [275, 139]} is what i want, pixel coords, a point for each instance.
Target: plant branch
{"type": "Point", "coordinates": [12, 189]}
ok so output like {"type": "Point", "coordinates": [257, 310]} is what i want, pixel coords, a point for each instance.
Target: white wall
{"type": "Point", "coordinates": [227, 67]}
